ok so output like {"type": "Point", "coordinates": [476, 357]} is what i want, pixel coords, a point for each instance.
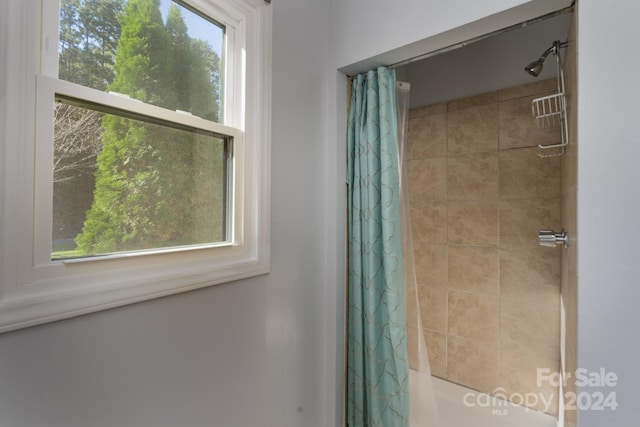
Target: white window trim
{"type": "Point", "coordinates": [34, 290]}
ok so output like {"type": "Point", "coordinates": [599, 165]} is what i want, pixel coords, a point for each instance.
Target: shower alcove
{"type": "Point", "coordinates": [489, 295]}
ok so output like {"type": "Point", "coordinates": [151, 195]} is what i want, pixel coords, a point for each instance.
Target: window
{"type": "Point", "coordinates": [146, 172]}
{"type": "Point", "coordinates": [124, 184]}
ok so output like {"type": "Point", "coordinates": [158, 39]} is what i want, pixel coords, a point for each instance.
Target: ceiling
{"type": "Point", "coordinates": [492, 63]}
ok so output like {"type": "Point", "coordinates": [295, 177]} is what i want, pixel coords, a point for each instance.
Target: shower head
{"type": "Point", "coordinates": [535, 68]}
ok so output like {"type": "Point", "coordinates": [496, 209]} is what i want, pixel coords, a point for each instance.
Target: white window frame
{"type": "Point", "coordinates": [34, 289]}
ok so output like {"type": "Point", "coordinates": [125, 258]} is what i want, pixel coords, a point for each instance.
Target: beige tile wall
{"type": "Point", "coordinates": [569, 180]}
{"type": "Point", "coordinates": [479, 193]}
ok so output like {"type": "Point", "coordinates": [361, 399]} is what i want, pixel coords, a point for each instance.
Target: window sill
{"type": "Point", "coordinates": [36, 309]}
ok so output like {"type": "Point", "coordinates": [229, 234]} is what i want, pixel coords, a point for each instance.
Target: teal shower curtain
{"type": "Point", "coordinates": [377, 365]}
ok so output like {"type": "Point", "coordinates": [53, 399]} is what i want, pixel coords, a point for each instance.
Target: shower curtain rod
{"type": "Point", "coordinates": [449, 48]}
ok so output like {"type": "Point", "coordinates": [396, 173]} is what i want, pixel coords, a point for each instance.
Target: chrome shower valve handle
{"type": "Point", "coordinates": [552, 239]}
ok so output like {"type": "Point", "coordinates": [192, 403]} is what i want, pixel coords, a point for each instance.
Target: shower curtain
{"type": "Point", "coordinates": [383, 387]}
{"type": "Point", "coordinates": [424, 411]}
{"type": "Point", "coordinates": [377, 364]}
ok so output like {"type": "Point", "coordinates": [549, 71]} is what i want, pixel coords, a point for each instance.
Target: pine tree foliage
{"type": "Point", "coordinates": [89, 33]}
{"type": "Point", "coordinates": [155, 186]}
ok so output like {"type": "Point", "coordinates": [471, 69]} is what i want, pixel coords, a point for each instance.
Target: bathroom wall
{"type": "Point", "coordinates": [479, 193]}
{"type": "Point", "coordinates": [248, 353]}
{"type": "Point", "coordinates": [569, 186]}
{"type": "Point", "coordinates": [369, 34]}
{"type": "Point", "coordinates": [608, 205]}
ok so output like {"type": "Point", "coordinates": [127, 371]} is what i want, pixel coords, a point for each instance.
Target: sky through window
{"type": "Point", "coordinates": [198, 27]}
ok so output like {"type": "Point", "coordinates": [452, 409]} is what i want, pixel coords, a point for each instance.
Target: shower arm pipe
{"type": "Point", "coordinates": [555, 49]}
{"type": "Point", "coordinates": [559, 68]}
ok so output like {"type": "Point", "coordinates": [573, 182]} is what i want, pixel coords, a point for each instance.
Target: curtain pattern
{"type": "Point", "coordinates": [377, 366]}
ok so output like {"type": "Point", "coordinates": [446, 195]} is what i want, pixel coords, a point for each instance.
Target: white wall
{"type": "Point", "coordinates": [369, 33]}
{"type": "Point", "coordinates": [249, 353]}
{"type": "Point", "coordinates": [609, 202]}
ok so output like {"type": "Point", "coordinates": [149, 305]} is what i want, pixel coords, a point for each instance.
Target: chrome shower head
{"type": "Point", "coordinates": [535, 67]}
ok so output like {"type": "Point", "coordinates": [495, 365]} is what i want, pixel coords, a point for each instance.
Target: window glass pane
{"type": "Point", "coordinates": [156, 51]}
{"type": "Point", "coordinates": [124, 184]}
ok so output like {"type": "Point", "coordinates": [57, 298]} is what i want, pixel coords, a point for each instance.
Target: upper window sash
{"type": "Point", "coordinates": [233, 75]}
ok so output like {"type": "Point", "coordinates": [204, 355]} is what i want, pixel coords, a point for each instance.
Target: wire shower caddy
{"type": "Point", "coordinates": [551, 111]}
